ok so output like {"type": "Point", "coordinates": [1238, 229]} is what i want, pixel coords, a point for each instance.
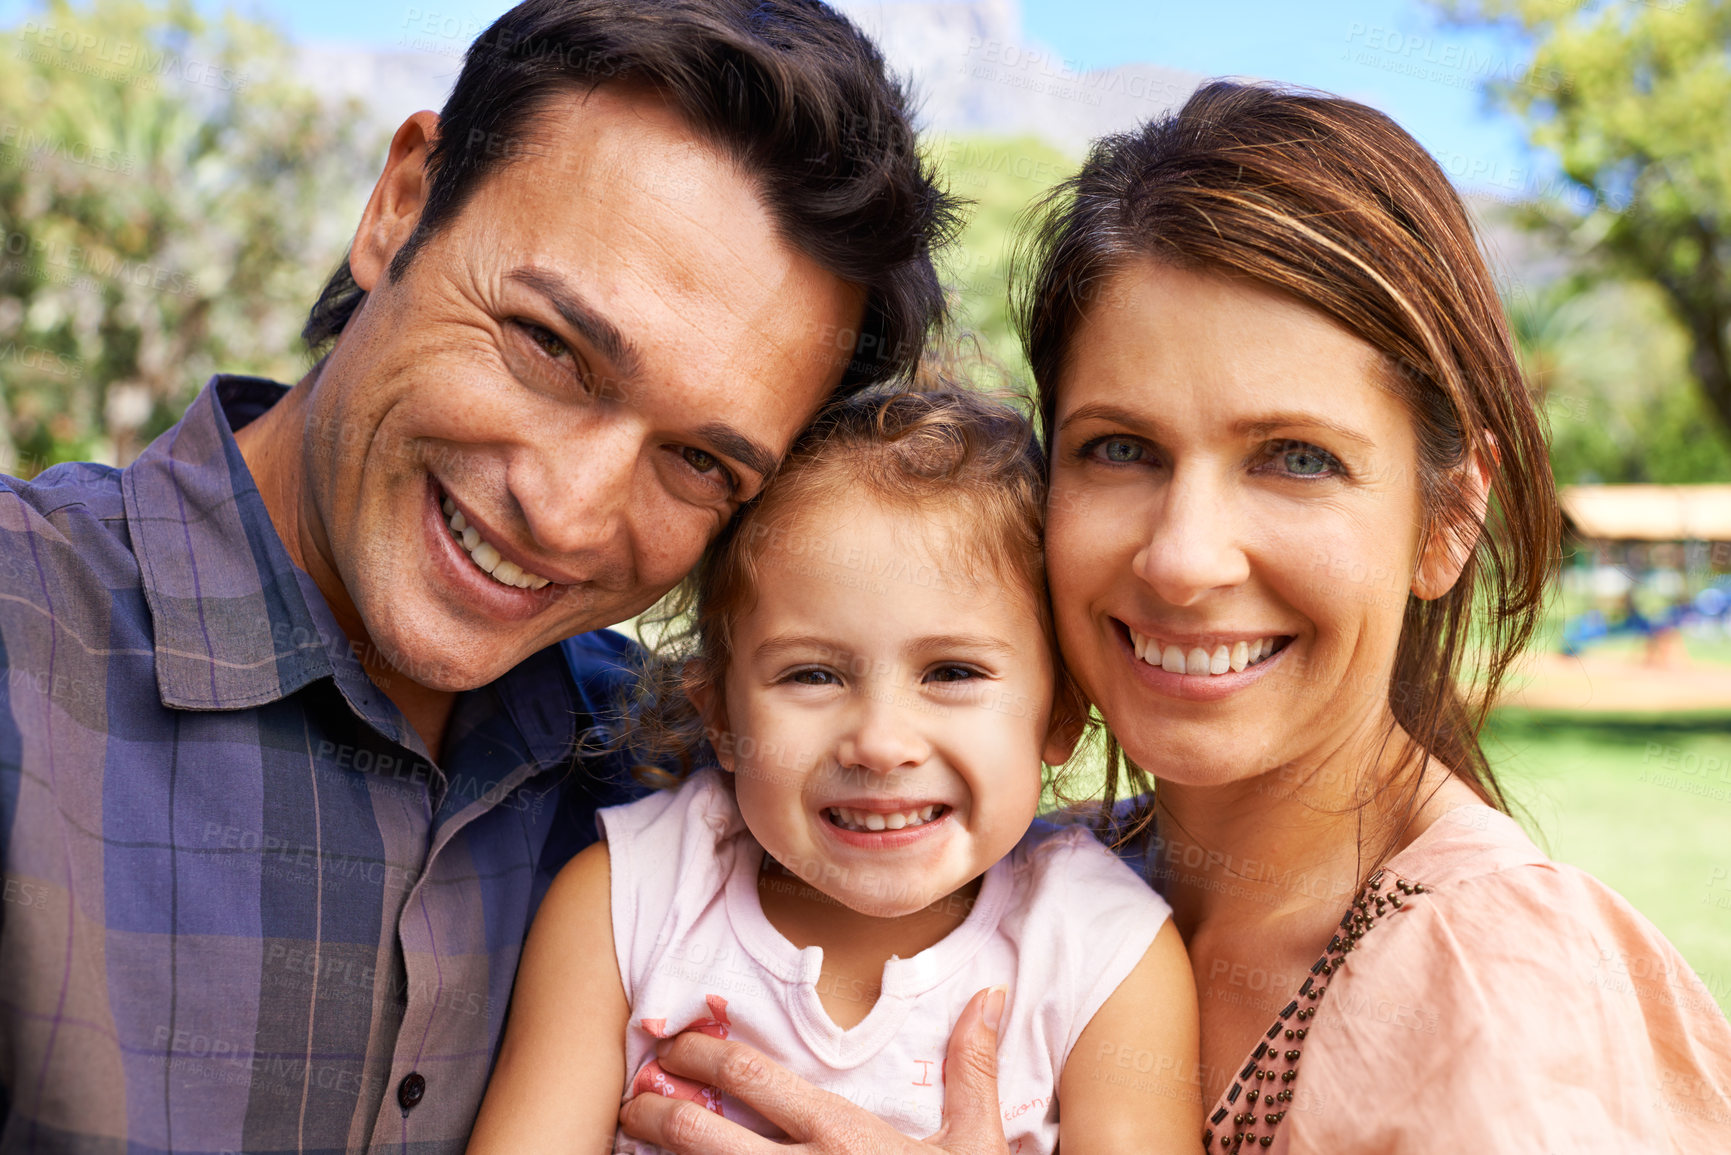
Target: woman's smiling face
{"type": "Point", "coordinates": [1234, 524]}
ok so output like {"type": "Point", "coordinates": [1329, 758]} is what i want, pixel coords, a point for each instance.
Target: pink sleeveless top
{"type": "Point", "coordinates": [1480, 998]}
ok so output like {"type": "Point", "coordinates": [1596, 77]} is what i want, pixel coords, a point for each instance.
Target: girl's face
{"type": "Point", "coordinates": [886, 709]}
{"type": "Point", "coordinates": [1234, 526]}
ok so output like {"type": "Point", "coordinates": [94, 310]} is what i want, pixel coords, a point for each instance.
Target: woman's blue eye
{"type": "Point", "coordinates": [1301, 460]}
{"type": "Point", "coordinates": [1120, 450]}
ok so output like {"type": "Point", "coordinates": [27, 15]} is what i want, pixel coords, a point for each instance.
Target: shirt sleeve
{"type": "Point", "coordinates": [664, 865]}
{"type": "Point", "coordinates": [1089, 915]}
{"type": "Point", "coordinates": [1530, 1009]}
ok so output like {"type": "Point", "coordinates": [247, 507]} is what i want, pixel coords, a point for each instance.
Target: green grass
{"type": "Point", "coordinates": [1643, 803]}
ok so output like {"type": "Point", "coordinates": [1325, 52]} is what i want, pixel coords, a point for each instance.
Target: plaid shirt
{"type": "Point", "coordinates": [243, 909]}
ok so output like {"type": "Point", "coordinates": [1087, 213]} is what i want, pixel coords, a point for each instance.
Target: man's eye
{"type": "Point", "coordinates": [546, 341]}
{"type": "Point", "coordinates": [1299, 459]}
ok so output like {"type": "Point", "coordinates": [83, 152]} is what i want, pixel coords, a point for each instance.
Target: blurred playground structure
{"type": "Point", "coordinates": [1644, 608]}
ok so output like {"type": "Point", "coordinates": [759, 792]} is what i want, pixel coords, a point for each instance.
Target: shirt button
{"type": "Point", "coordinates": [411, 1090]}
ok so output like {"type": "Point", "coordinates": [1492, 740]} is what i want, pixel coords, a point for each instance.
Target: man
{"type": "Point", "coordinates": [287, 745]}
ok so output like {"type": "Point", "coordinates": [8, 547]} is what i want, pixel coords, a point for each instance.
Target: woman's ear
{"type": "Point", "coordinates": [706, 695]}
{"type": "Point", "coordinates": [1451, 539]}
{"type": "Point", "coordinates": [1069, 719]}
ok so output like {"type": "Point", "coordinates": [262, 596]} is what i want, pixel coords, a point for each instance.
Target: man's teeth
{"type": "Point", "coordinates": [484, 555]}
{"type": "Point", "coordinates": [1221, 659]}
{"type": "Point", "coordinates": [874, 820]}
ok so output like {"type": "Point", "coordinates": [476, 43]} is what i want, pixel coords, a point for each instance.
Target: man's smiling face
{"type": "Point", "coordinates": [587, 371]}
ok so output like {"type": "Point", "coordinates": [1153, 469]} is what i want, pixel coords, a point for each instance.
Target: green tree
{"type": "Point", "coordinates": [1633, 100]}
{"type": "Point", "coordinates": [171, 196]}
{"type": "Point", "coordinates": [1001, 177]}
{"type": "Point", "coordinates": [1610, 369]}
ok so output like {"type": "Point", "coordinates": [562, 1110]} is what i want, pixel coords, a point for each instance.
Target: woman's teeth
{"type": "Point", "coordinates": [484, 555]}
{"type": "Point", "coordinates": [1196, 660]}
{"type": "Point", "coordinates": [874, 820]}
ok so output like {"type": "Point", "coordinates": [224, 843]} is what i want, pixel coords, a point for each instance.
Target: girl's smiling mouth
{"type": "Point", "coordinates": [872, 826]}
{"type": "Point", "coordinates": [849, 818]}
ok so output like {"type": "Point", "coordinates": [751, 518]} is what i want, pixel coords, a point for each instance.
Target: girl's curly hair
{"type": "Point", "coordinates": [950, 449]}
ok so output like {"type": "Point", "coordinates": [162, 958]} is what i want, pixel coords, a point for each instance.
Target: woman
{"type": "Point", "coordinates": [1299, 496]}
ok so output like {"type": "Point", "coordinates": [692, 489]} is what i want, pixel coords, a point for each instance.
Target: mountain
{"type": "Point", "coordinates": [967, 62]}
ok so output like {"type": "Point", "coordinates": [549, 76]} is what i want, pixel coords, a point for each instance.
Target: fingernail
{"type": "Point", "coordinates": [993, 1012]}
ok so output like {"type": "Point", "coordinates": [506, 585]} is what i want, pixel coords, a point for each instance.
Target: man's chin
{"type": "Point", "coordinates": [442, 658]}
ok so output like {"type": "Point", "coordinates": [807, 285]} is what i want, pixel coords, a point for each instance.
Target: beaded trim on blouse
{"type": "Point", "coordinates": [1265, 1083]}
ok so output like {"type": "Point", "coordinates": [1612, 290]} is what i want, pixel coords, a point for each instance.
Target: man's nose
{"type": "Point", "coordinates": [1193, 543]}
{"type": "Point", "coordinates": [574, 493]}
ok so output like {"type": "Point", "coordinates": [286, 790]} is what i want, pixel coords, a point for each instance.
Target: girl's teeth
{"type": "Point", "coordinates": [484, 555]}
{"type": "Point", "coordinates": [871, 820]}
{"type": "Point", "coordinates": [1222, 659]}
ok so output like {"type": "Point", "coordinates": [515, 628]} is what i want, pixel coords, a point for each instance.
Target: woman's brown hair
{"type": "Point", "coordinates": [1334, 204]}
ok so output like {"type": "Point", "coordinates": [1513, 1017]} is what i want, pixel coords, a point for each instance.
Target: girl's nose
{"type": "Point", "coordinates": [884, 735]}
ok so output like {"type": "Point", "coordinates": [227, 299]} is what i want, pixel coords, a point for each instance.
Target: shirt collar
{"type": "Point", "coordinates": [238, 624]}
{"type": "Point", "coordinates": [231, 621]}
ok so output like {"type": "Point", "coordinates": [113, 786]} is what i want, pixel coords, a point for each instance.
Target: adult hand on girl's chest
{"type": "Point", "coordinates": [821, 1123]}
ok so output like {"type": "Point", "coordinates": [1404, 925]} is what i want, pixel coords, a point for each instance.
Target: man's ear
{"type": "Point", "coordinates": [712, 708]}
{"type": "Point", "coordinates": [394, 209]}
{"type": "Point", "coordinates": [1069, 719]}
{"type": "Point", "coordinates": [1449, 543]}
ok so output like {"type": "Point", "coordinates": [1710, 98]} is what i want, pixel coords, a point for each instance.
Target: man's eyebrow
{"type": "Point", "coordinates": [738, 446]}
{"type": "Point", "coordinates": [581, 316]}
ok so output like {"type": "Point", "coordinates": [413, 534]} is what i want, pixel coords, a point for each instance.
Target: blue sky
{"type": "Point", "coordinates": [1392, 54]}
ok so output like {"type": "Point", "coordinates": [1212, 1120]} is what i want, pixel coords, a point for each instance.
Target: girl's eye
{"type": "Point", "coordinates": [814, 677]}
{"type": "Point", "coordinates": [952, 674]}
{"type": "Point", "coordinates": [1118, 450]}
{"type": "Point", "coordinates": [1299, 459]}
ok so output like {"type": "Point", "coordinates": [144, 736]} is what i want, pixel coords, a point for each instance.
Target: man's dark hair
{"type": "Point", "coordinates": [789, 89]}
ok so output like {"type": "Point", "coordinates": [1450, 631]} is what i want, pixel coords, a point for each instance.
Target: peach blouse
{"type": "Point", "coordinates": [1481, 998]}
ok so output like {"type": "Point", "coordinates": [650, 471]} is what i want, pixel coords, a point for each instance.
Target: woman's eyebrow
{"type": "Point", "coordinates": [1275, 422]}
{"type": "Point", "coordinates": [1103, 411]}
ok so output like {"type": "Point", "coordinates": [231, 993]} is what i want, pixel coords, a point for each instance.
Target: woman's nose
{"type": "Point", "coordinates": [1193, 544]}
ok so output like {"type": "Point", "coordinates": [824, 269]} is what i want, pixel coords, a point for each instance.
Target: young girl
{"type": "Point", "coordinates": [871, 659]}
